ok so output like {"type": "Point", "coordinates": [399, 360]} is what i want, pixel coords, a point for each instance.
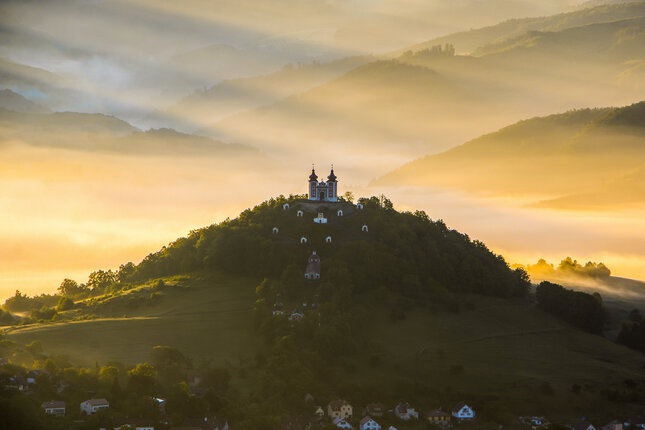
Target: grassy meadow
{"type": "Point", "coordinates": [206, 317]}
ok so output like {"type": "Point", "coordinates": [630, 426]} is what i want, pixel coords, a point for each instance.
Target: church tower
{"type": "Point", "coordinates": [323, 191]}
{"type": "Point", "coordinates": [313, 185]}
{"type": "Point", "coordinates": [332, 186]}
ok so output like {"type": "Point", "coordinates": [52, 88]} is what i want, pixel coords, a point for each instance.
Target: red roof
{"type": "Point", "coordinates": [97, 402]}
{"type": "Point", "coordinates": [53, 405]}
{"type": "Point", "coordinates": [366, 419]}
{"type": "Point", "coordinates": [335, 405]}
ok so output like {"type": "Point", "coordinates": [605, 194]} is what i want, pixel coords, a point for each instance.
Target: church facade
{"type": "Point", "coordinates": [323, 191]}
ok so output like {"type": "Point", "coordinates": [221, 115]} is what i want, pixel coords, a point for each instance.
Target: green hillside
{"type": "Point", "coordinates": [207, 316]}
{"type": "Point", "coordinates": [593, 153]}
{"type": "Point", "coordinates": [406, 310]}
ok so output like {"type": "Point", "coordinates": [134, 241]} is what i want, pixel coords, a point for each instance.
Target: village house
{"type": "Point", "coordinates": [312, 272]}
{"type": "Point", "coordinates": [374, 410]}
{"type": "Point", "coordinates": [134, 425]}
{"type": "Point", "coordinates": [437, 417]}
{"type": "Point", "coordinates": [31, 377]}
{"type": "Point", "coordinates": [319, 412]}
{"type": "Point", "coordinates": [161, 404]}
{"type": "Point", "coordinates": [92, 406]}
{"type": "Point", "coordinates": [16, 383]}
{"type": "Point", "coordinates": [613, 425]}
{"type": "Point", "coordinates": [367, 423]}
{"type": "Point", "coordinates": [296, 316]}
{"type": "Point", "coordinates": [635, 422]}
{"type": "Point", "coordinates": [535, 423]}
{"type": "Point", "coordinates": [339, 408]}
{"type": "Point", "coordinates": [583, 424]}
{"type": "Point", "coordinates": [341, 423]}
{"type": "Point", "coordinates": [56, 408]}
{"type": "Point", "coordinates": [463, 412]}
{"type": "Point", "coordinates": [405, 412]}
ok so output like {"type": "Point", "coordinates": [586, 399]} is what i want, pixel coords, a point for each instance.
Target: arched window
{"type": "Point", "coordinates": [364, 228]}
{"type": "Point", "coordinates": [339, 213]}
{"type": "Point", "coordinates": [275, 230]}
{"type": "Point", "coordinates": [303, 240]}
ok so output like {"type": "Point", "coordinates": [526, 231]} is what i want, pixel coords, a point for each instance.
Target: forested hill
{"type": "Point", "coordinates": [404, 252]}
{"type": "Point", "coordinates": [403, 308]}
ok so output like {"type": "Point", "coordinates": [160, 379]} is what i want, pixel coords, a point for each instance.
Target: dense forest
{"type": "Point", "coordinates": [405, 252]}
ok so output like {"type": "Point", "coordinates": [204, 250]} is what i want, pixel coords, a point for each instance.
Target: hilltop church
{"type": "Point", "coordinates": [323, 191]}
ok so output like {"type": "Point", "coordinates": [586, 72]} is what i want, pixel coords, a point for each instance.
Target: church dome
{"type": "Point", "coordinates": [313, 176]}
{"type": "Point", "coordinates": [331, 177]}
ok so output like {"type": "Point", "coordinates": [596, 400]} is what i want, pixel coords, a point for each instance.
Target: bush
{"type": "Point", "coordinates": [65, 304]}
{"type": "Point", "coordinates": [44, 314]}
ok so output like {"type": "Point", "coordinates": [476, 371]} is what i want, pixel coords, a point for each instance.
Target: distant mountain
{"type": "Point", "coordinates": [620, 39]}
{"type": "Point", "coordinates": [231, 96]}
{"type": "Point", "coordinates": [97, 132]}
{"type": "Point", "coordinates": [380, 105]}
{"type": "Point", "coordinates": [430, 100]}
{"type": "Point", "coordinates": [66, 122]}
{"type": "Point", "coordinates": [17, 103]}
{"type": "Point", "coordinates": [469, 41]}
{"type": "Point", "coordinates": [584, 158]}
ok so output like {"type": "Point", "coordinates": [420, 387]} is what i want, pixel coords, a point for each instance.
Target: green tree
{"type": "Point", "coordinates": [69, 288]}
{"type": "Point", "coordinates": [142, 379]}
